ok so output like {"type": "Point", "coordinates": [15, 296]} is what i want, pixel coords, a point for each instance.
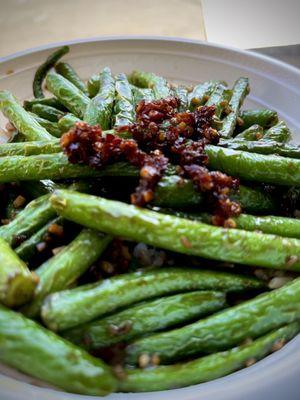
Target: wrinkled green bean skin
{"type": "Point", "coordinates": [145, 318]}
{"type": "Point", "coordinates": [255, 167]}
{"type": "Point", "coordinates": [279, 133]}
{"type": "Point", "coordinates": [240, 91]}
{"type": "Point", "coordinates": [267, 147]}
{"type": "Point", "coordinates": [218, 98]}
{"type": "Point", "coordinates": [54, 166]}
{"type": "Point", "coordinates": [69, 73]}
{"type": "Point", "coordinates": [206, 368]}
{"type": "Point", "coordinates": [69, 308]}
{"type": "Point", "coordinates": [28, 249]}
{"type": "Point", "coordinates": [36, 214]}
{"type": "Point", "coordinates": [225, 329]}
{"type": "Point", "coordinates": [51, 127]}
{"type": "Point", "coordinates": [201, 93]}
{"type": "Point", "coordinates": [29, 148]}
{"type": "Point", "coordinates": [124, 108]}
{"type": "Point", "coordinates": [34, 350]}
{"type": "Point", "coordinates": [99, 110]}
{"type": "Point", "coordinates": [68, 94]}
{"type": "Point", "coordinates": [158, 84]}
{"type": "Point", "coordinates": [67, 122]}
{"type": "Point", "coordinates": [60, 271]}
{"type": "Point", "coordinates": [253, 133]}
{"type": "Point", "coordinates": [42, 70]}
{"type": "Point", "coordinates": [181, 93]}
{"type": "Point", "coordinates": [263, 117]}
{"type": "Point", "coordinates": [140, 94]}
{"type": "Point", "coordinates": [47, 112]}
{"type": "Point", "coordinates": [194, 238]}
{"type": "Point", "coordinates": [21, 119]}
{"type": "Point", "coordinates": [47, 101]}
{"type": "Point", "coordinates": [17, 283]}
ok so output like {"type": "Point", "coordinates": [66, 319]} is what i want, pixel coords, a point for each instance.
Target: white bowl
{"type": "Point", "coordinates": [273, 84]}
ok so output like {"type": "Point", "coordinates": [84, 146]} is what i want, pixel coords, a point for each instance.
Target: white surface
{"type": "Point", "coordinates": [274, 85]}
{"type": "Point", "coordinates": [252, 23]}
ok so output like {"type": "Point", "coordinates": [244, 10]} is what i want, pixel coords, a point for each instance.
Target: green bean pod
{"type": "Point", "coordinates": [47, 112]}
{"type": "Point", "coordinates": [278, 133]}
{"type": "Point", "coordinates": [47, 101]}
{"type": "Point", "coordinates": [146, 318]}
{"type": "Point", "coordinates": [160, 230]}
{"type": "Point", "coordinates": [93, 85]}
{"type": "Point", "coordinates": [60, 271]}
{"type": "Point", "coordinates": [253, 133]}
{"type": "Point", "coordinates": [28, 221]}
{"type": "Point", "coordinates": [201, 93]}
{"type": "Point", "coordinates": [181, 93]}
{"type": "Point", "coordinates": [263, 117]}
{"type": "Point", "coordinates": [124, 108]}
{"type": "Point", "coordinates": [158, 84]}
{"type": "Point", "coordinates": [68, 94]}
{"type": "Point", "coordinates": [42, 70]}
{"type": "Point", "coordinates": [21, 119]}
{"type": "Point", "coordinates": [140, 94]}
{"type": "Point", "coordinates": [67, 122]}
{"type": "Point", "coordinates": [225, 329]}
{"type": "Point", "coordinates": [99, 110]}
{"type": "Point", "coordinates": [17, 283]}
{"type": "Point", "coordinates": [239, 92]}
{"type": "Point", "coordinates": [51, 127]}
{"type": "Point", "coordinates": [69, 73]}
{"type": "Point", "coordinates": [207, 368]}
{"type": "Point", "coordinates": [255, 167]}
{"type": "Point", "coordinates": [34, 350]}
{"type": "Point", "coordinates": [220, 96]}
{"type": "Point", "coordinates": [28, 249]}
{"type": "Point", "coordinates": [29, 148]}
{"type": "Point", "coordinates": [267, 147]}
{"type": "Point", "coordinates": [68, 308]}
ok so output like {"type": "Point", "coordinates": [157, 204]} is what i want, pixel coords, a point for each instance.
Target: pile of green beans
{"type": "Point", "coordinates": [216, 298]}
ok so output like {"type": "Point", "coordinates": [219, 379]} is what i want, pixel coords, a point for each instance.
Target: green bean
{"type": "Point", "coordinates": [21, 119]}
{"type": "Point", "coordinates": [28, 221]}
{"type": "Point", "coordinates": [253, 133]}
{"type": "Point", "coordinates": [54, 166]}
{"type": "Point", "coordinates": [255, 167]}
{"type": "Point", "coordinates": [28, 249]}
{"type": "Point", "coordinates": [47, 101]}
{"type": "Point", "coordinates": [140, 94]}
{"type": "Point", "coordinates": [93, 85]}
{"type": "Point", "coordinates": [67, 122]}
{"type": "Point", "coordinates": [34, 350]}
{"type": "Point", "coordinates": [195, 238]}
{"type": "Point", "coordinates": [181, 93]}
{"type": "Point", "coordinates": [206, 368]}
{"type": "Point", "coordinates": [69, 73]}
{"type": "Point", "coordinates": [51, 127]}
{"type": "Point", "coordinates": [263, 117]}
{"type": "Point", "coordinates": [42, 70]}
{"type": "Point", "coordinates": [267, 147]}
{"type": "Point", "coordinates": [72, 307]}
{"type": "Point", "coordinates": [240, 91]}
{"type": "Point", "coordinates": [99, 110]}
{"type": "Point", "coordinates": [29, 148]}
{"type": "Point", "coordinates": [278, 133]}
{"type": "Point", "coordinates": [124, 110]}
{"type": "Point", "coordinates": [47, 112]}
{"type": "Point", "coordinates": [225, 329]}
{"type": "Point", "coordinates": [60, 271]}
{"type": "Point", "coordinates": [39, 188]}
{"type": "Point", "coordinates": [281, 226]}
{"type": "Point", "coordinates": [68, 94]}
{"type": "Point", "coordinates": [17, 283]}
{"type": "Point", "coordinates": [158, 84]}
{"type": "Point", "coordinates": [202, 92]}
{"type": "Point", "coordinates": [145, 318]}
{"type": "Point", "coordinates": [220, 96]}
